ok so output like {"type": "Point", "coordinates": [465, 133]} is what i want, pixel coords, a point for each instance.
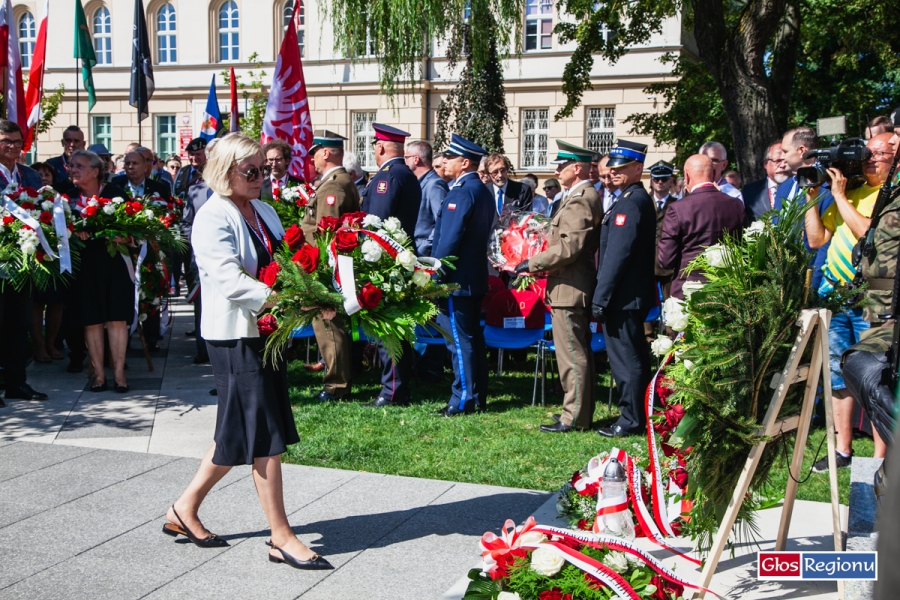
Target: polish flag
{"type": "Point", "coordinates": [10, 59]}
{"type": "Point", "coordinates": [36, 80]}
{"type": "Point", "coordinates": [233, 122]}
{"type": "Point", "coordinates": [287, 114]}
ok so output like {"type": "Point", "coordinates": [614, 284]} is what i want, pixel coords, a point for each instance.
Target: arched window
{"type": "Point", "coordinates": [287, 16]}
{"type": "Point", "coordinates": [103, 36]}
{"type": "Point", "coordinates": [166, 47]}
{"type": "Point", "coordinates": [229, 37]}
{"type": "Point", "coordinates": [27, 37]}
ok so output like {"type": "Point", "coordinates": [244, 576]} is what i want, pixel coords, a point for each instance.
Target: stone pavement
{"type": "Point", "coordinates": [85, 481]}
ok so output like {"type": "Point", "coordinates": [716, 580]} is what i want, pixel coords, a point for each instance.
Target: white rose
{"type": "Point", "coordinates": [678, 322]}
{"type": "Point", "coordinates": [392, 225]}
{"type": "Point", "coordinates": [109, 209]}
{"type": "Point", "coordinates": [149, 214]}
{"type": "Point", "coordinates": [93, 202]}
{"type": "Point", "coordinates": [546, 562]}
{"type": "Point", "coordinates": [508, 596]}
{"type": "Point", "coordinates": [371, 251]}
{"type": "Point", "coordinates": [756, 228]}
{"type": "Point", "coordinates": [688, 364]}
{"type": "Point", "coordinates": [400, 237]}
{"type": "Point", "coordinates": [421, 279]}
{"type": "Point", "coordinates": [47, 205]}
{"type": "Point", "coordinates": [406, 259]}
{"type": "Point", "coordinates": [690, 287]}
{"type": "Point", "coordinates": [532, 538]}
{"type": "Point", "coordinates": [661, 345]}
{"type": "Point", "coordinates": [118, 200]}
{"type": "Point", "coordinates": [616, 561]}
{"type": "Point", "coordinates": [673, 306]}
{"type": "Point", "coordinates": [715, 255]}
{"type": "Point", "coordinates": [371, 222]}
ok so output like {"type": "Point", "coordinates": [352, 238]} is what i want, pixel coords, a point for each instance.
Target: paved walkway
{"type": "Point", "coordinates": [85, 480]}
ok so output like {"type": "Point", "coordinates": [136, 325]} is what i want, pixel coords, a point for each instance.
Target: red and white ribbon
{"type": "Point", "coordinates": [22, 215]}
{"type": "Point", "coordinates": [660, 513]}
{"type": "Point", "coordinates": [494, 547]}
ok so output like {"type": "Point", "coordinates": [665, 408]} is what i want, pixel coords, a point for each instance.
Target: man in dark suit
{"type": "Point", "coordinates": [699, 220]}
{"type": "Point", "coordinates": [278, 159]}
{"type": "Point", "coordinates": [419, 158]}
{"type": "Point", "coordinates": [462, 229]}
{"type": "Point", "coordinates": [72, 140]}
{"type": "Point", "coordinates": [393, 191]}
{"type": "Point", "coordinates": [626, 288]}
{"type": "Point", "coordinates": [135, 180]}
{"type": "Point", "coordinates": [507, 194]}
{"type": "Point", "coordinates": [759, 196]}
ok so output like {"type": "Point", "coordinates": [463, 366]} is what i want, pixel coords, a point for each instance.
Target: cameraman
{"type": "Point", "coordinates": [843, 223]}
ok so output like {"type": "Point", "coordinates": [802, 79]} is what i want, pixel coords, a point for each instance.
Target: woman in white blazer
{"type": "Point", "coordinates": [234, 236]}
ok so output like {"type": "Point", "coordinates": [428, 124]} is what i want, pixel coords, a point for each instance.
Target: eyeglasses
{"type": "Point", "coordinates": [547, 188]}
{"type": "Point", "coordinates": [880, 155]}
{"type": "Point", "coordinates": [12, 143]}
{"type": "Point", "coordinates": [500, 171]}
{"type": "Point", "coordinates": [254, 173]}
{"type": "Point", "coordinates": [662, 179]}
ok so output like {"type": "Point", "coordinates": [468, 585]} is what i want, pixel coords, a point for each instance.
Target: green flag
{"type": "Point", "coordinates": [84, 49]}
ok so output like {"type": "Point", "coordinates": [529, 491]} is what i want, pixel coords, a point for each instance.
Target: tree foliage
{"type": "Point", "coordinates": [50, 104]}
{"type": "Point", "coordinates": [254, 93]}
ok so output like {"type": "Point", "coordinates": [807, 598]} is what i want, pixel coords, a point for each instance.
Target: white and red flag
{"type": "Point", "coordinates": [234, 123]}
{"type": "Point", "coordinates": [12, 61]}
{"type": "Point", "coordinates": [36, 80]}
{"type": "Point", "coordinates": [287, 114]}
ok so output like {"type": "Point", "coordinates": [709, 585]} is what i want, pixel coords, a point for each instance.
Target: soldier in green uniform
{"type": "Point", "coordinates": [336, 195]}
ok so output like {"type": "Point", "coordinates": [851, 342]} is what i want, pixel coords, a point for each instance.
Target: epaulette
{"type": "Point", "coordinates": [626, 194]}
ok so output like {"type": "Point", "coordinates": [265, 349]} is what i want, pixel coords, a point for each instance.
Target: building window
{"type": "Point", "coordinates": [538, 25]}
{"type": "Point", "coordinates": [366, 47]}
{"type": "Point", "coordinates": [101, 130]}
{"type": "Point", "coordinates": [26, 38]}
{"type": "Point", "coordinates": [363, 135]}
{"type": "Point", "coordinates": [166, 46]}
{"type": "Point", "coordinates": [534, 138]}
{"type": "Point", "coordinates": [102, 36]}
{"type": "Point", "coordinates": [166, 137]}
{"type": "Point", "coordinates": [601, 129]}
{"type": "Point", "coordinates": [287, 15]}
{"type": "Point", "coordinates": [229, 38]}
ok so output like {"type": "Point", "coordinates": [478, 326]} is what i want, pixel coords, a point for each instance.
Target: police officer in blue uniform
{"type": "Point", "coordinates": [462, 229]}
{"type": "Point", "coordinates": [393, 191]}
{"type": "Point", "coordinates": [626, 287]}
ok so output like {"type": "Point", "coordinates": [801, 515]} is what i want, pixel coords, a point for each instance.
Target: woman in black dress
{"type": "Point", "coordinates": [235, 236]}
{"type": "Point", "coordinates": [106, 287]}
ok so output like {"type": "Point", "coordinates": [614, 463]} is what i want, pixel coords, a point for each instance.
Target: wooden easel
{"type": "Point", "coordinates": [813, 325]}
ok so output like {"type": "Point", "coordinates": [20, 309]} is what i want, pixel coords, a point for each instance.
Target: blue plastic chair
{"type": "Point", "coordinates": [515, 339]}
{"type": "Point", "coordinates": [304, 332]}
{"type": "Point", "coordinates": [429, 335]}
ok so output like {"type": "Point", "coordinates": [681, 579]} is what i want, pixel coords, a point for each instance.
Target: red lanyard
{"type": "Point", "coordinates": [261, 235]}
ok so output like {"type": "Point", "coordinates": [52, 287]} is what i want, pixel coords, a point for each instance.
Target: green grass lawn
{"type": "Point", "coordinates": [503, 446]}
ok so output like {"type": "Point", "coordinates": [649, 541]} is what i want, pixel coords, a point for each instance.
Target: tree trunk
{"type": "Point", "coordinates": [784, 63]}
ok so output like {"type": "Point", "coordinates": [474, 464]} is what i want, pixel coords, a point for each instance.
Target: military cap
{"type": "Point", "coordinates": [625, 152]}
{"type": "Point", "coordinates": [323, 138]}
{"type": "Point", "coordinates": [568, 152]}
{"type": "Point", "coordinates": [661, 170]}
{"type": "Point", "coordinates": [195, 145]}
{"type": "Point", "coordinates": [460, 146]}
{"type": "Point", "coordinates": [386, 133]}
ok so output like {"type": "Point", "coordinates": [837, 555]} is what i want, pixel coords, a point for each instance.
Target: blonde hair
{"type": "Point", "coordinates": [230, 150]}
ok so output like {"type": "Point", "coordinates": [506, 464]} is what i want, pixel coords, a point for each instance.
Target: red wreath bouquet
{"type": "Point", "coordinates": [518, 237]}
{"type": "Point", "coordinates": [290, 202]}
{"type": "Point", "coordinates": [138, 220]}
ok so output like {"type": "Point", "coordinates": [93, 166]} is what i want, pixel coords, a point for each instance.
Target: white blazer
{"type": "Point", "coordinates": [232, 297]}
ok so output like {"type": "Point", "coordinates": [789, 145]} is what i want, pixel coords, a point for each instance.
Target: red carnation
{"type": "Point", "coordinates": [46, 217]}
{"type": "Point", "coordinates": [28, 205]}
{"type": "Point", "coordinates": [170, 206]}
{"type": "Point", "coordinates": [353, 219]}
{"type": "Point", "coordinates": [39, 256]}
{"type": "Point", "coordinates": [307, 257]}
{"type": "Point", "coordinates": [328, 224]}
{"type": "Point", "coordinates": [300, 202]}
{"type": "Point", "coordinates": [30, 191]}
{"type": "Point", "coordinates": [267, 324]}
{"type": "Point", "coordinates": [90, 211]}
{"type": "Point", "coordinates": [554, 594]}
{"type": "Point", "coordinates": [370, 296]}
{"type": "Point", "coordinates": [584, 525]}
{"type": "Point", "coordinates": [293, 237]}
{"type": "Point", "coordinates": [506, 561]}
{"type": "Point", "coordinates": [269, 274]}
{"type": "Point", "coordinates": [590, 490]}
{"type": "Point", "coordinates": [129, 210]}
{"type": "Point", "coordinates": [346, 240]}
{"type": "Point", "coordinates": [8, 219]}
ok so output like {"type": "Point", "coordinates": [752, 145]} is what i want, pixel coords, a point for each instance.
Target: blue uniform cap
{"type": "Point", "coordinates": [625, 152]}
{"type": "Point", "coordinates": [460, 146]}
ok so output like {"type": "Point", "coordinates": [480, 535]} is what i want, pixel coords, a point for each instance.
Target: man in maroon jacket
{"type": "Point", "coordinates": [697, 221]}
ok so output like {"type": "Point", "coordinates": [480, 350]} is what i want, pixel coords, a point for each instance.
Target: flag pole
{"type": "Point", "coordinates": [77, 95]}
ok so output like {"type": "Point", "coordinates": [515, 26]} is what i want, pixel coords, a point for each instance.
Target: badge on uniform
{"type": "Point", "coordinates": [620, 220]}
{"type": "Point", "coordinates": [382, 187]}
{"type": "Point", "coordinates": [330, 200]}
{"type": "Point", "coordinates": [451, 207]}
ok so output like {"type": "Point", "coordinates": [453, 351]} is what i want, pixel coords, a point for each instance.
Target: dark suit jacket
{"type": "Point", "coordinates": [266, 192]}
{"type": "Point", "coordinates": [756, 199]}
{"type": "Point", "coordinates": [662, 275]}
{"type": "Point", "coordinates": [28, 177]}
{"type": "Point", "coordinates": [151, 186]}
{"type": "Point", "coordinates": [692, 224]}
{"type": "Point", "coordinates": [517, 196]}
{"type": "Point", "coordinates": [361, 185]}
{"type": "Point", "coordinates": [60, 167]}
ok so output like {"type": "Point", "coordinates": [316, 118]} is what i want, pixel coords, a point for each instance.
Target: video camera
{"type": "Point", "coordinates": [847, 156]}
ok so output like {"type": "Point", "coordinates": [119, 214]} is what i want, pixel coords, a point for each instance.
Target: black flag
{"type": "Point", "coordinates": [142, 84]}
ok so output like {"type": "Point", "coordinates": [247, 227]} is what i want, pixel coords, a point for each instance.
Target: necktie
{"type": "Point", "coordinates": [771, 197]}
{"type": "Point", "coordinates": [499, 201]}
{"type": "Point", "coordinates": [276, 186]}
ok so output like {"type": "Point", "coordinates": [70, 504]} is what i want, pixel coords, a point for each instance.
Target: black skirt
{"type": "Point", "coordinates": [254, 417]}
{"type": "Point", "coordinates": [107, 291]}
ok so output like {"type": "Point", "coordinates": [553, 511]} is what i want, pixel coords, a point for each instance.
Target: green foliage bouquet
{"type": "Point", "coordinates": [361, 267]}
{"type": "Point", "coordinates": [290, 202]}
{"type": "Point", "coordinates": [738, 328]}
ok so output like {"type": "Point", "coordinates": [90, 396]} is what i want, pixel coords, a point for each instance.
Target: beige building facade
{"type": "Point", "coordinates": [192, 40]}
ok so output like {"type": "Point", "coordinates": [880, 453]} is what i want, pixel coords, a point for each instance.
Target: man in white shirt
{"type": "Point", "coordinates": [759, 196]}
{"type": "Point", "coordinates": [719, 156]}
{"type": "Point", "coordinates": [610, 188]}
{"type": "Point", "coordinates": [135, 180]}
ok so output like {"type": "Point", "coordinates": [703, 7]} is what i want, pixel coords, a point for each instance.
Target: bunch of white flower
{"type": "Point", "coordinates": [109, 209]}
{"type": "Point", "coordinates": [756, 228]}
{"type": "Point", "coordinates": [28, 241]}
{"type": "Point", "coordinates": [290, 193]}
{"type": "Point", "coordinates": [149, 214]}
{"type": "Point", "coordinates": [371, 222]}
{"type": "Point", "coordinates": [400, 237]}
{"type": "Point", "coordinates": [406, 259]}
{"type": "Point", "coordinates": [371, 251]}
{"type": "Point", "coordinates": [392, 225]}
{"type": "Point", "coordinates": [93, 202]}
{"type": "Point", "coordinates": [676, 318]}
{"type": "Point", "coordinates": [47, 205]}
{"type": "Point", "coordinates": [116, 200]}
{"type": "Point", "coordinates": [661, 345]}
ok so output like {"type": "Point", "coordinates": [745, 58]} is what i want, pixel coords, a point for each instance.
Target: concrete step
{"type": "Point", "coordinates": [861, 534]}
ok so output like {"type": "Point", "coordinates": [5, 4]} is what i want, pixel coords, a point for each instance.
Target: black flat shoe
{"type": "Point", "coordinates": [213, 541]}
{"type": "Point", "coordinates": [558, 427]}
{"type": "Point", "coordinates": [327, 397]}
{"type": "Point", "coordinates": [122, 389]}
{"type": "Point", "coordinates": [99, 388]}
{"type": "Point", "coordinates": [201, 359]}
{"type": "Point", "coordinates": [452, 412]}
{"type": "Point", "coordinates": [24, 392]}
{"type": "Point", "coordinates": [382, 401]}
{"type": "Point", "coordinates": [613, 431]}
{"type": "Point", "coordinates": [316, 563]}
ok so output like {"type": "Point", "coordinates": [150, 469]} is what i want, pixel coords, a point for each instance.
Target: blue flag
{"type": "Point", "coordinates": [212, 119]}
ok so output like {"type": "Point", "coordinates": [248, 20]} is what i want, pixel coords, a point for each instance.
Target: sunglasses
{"type": "Point", "coordinates": [662, 179]}
{"type": "Point", "coordinates": [255, 172]}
